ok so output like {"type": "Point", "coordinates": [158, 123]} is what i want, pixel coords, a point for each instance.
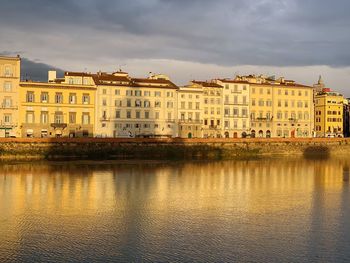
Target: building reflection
{"type": "Point", "coordinates": [137, 199]}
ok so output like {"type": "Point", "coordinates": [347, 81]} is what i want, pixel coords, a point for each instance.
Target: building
{"type": "Point", "coordinates": [190, 111]}
{"type": "Point", "coordinates": [279, 107]}
{"type": "Point", "coordinates": [329, 114]}
{"type": "Point", "coordinates": [58, 108]}
{"type": "Point", "coordinates": [346, 117]}
{"type": "Point", "coordinates": [10, 68]}
{"type": "Point", "coordinates": [212, 108]}
{"type": "Point", "coordinates": [236, 122]}
{"type": "Point", "coordinates": [135, 107]}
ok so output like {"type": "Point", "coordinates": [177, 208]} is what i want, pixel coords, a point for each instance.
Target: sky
{"type": "Point", "coordinates": [185, 39]}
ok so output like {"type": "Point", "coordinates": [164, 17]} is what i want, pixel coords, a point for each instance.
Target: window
{"type": "Point", "coordinates": [117, 92]}
{"type": "Point", "coordinates": [146, 104]}
{"type": "Point", "coordinates": [182, 105]}
{"type": "Point", "coordinates": [146, 114]}
{"type": "Point", "coordinates": [44, 117]}
{"type": "Point", "coordinates": [244, 112]}
{"type": "Point", "coordinates": [7, 103]}
{"type": "Point", "coordinates": [286, 92]}
{"type": "Point", "coordinates": [118, 103]}
{"type": "Point", "coordinates": [279, 103]}
{"type": "Point", "coordinates": [58, 97]}
{"type": "Point", "coordinates": [286, 103]}
{"type": "Point", "coordinates": [227, 111]}
{"type": "Point", "coordinates": [128, 103]}
{"type": "Point", "coordinates": [138, 114]}
{"type": "Point", "coordinates": [244, 87]}
{"type": "Point", "coordinates": [104, 102]}
{"type": "Point", "coordinates": [7, 86]}
{"type": "Point", "coordinates": [169, 94]}
{"type": "Point", "coordinates": [190, 105]}
{"type": "Point", "coordinates": [86, 118]}
{"type": "Point", "coordinates": [169, 104]}
{"type": "Point", "coordinates": [197, 105]}
{"type": "Point", "coordinates": [235, 112]}
{"type": "Point", "coordinates": [226, 86]}
{"type": "Point", "coordinates": [72, 98]}
{"type": "Point", "coordinates": [235, 99]}
{"type": "Point", "coordinates": [104, 91]}
{"type": "Point", "coordinates": [72, 117]}
{"type": "Point", "coordinates": [29, 117]}
{"type": "Point", "coordinates": [197, 116]}
{"type": "Point", "coordinates": [157, 104]}
{"type": "Point", "coordinates": [86, 98]}
{"type": "Point", "coordinates": [156, 115]}
{"type": "Point", "coordinates": [157, 93]}
{"type": "Point", "coordinates": [117, 114]}
{"type": "Point", "coordinates": [253, 102]}
{"type": "Point", "coordinates": [170, 115]}
{"type": "Point", "coordinates": [85, 81]}
{"type": "Point", "coordinates": [58, 118]}
{"type": "Point", "coordinates": [7, 118]}
{"type": "Point", "coordinates": [129, 93]}
{"type": "Point", "coordinates": [138, 103]}
{"type": "Point", "coordinates": [138, 93]}
{"type": "Point", "coordinates": [30, 96]}
{"type": "Point", "coordinates": [261, 102]}
{"type": "Point", "coordinates": [128, 114]}
{"type": "Point", "coordinates": [244, 99]}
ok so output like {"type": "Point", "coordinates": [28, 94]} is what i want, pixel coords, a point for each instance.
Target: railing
{"type": "Point", "coordinates": [191, 121]}
{"type": "Point", "coordinates": [229, 102]}
{"type": "Point", "coordinates": [235, 116]}
{"type": "Point", "coordinates": [9, 107]}
{"type": "Point", "coordinates": [261, 119]}
{"type": "Point", "coordinates": [104, 118]}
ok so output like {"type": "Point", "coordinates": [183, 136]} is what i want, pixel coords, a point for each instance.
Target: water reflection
{"type": "Point", "coordinates": [263, 210]}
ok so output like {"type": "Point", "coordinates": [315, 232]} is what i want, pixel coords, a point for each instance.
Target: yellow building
{"type": "Point", "coordinates": [212, 108]}
{"type": "Point", "coordinates": [58, 108]}
{"type": "Point", "coordinates": [9, 81]}
{"type": "Point", "coordinates": [329, 114]}
{"type": "Point", "coordinates": [190, 111]}
{"type": "Point", "coordinates": [279, 107]}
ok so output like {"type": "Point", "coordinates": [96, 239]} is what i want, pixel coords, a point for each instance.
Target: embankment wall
{"type": "Point", "coordinates": [116, 148]}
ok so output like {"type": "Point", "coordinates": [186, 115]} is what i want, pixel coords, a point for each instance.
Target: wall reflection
{"type": "Point", "coordinates": [132, 204]}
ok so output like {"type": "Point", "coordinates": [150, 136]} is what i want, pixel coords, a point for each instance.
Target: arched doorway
{"type": "Point", "coordinates": [261, 134]}
{"type": "Point", "coordinates": [244, 135]}
{"type": "Point", "coordinates": [235, 135]}
{"type": "Point", "coordinates": [253, 134]}
{"type": "Point", "coordinates": [189, 135]}
{"type": "Point", "coordinates": [227, 135]}
{"type": "Point", "coordinates": [268, 134]}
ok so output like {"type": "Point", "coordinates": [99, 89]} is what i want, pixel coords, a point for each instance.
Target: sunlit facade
{"type": "Point", "coordinates": [58, 108]}
{"type": "Point", "coordinates": [9, 83]}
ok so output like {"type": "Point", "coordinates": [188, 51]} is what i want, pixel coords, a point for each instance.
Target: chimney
{"type": "Point", "coordinates": [52, 75]}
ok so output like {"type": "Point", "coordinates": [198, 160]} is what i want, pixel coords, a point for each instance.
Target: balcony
{"type": "Point", "coordinates": [10, 107]}
{"type": "Point", "coordinates": [104, 118]}
{"type": "Point", "coordinates": [194, 121]}
{"type": "Point", "coordinates": [262, 119]}
{"type": "Point", "coordinates": [58, 125]}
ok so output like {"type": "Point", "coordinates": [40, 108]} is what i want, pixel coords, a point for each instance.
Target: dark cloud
{"type": "Point", "coordinates": [36, 71]}
{"type": "Point", "coordinates": [224, 32]}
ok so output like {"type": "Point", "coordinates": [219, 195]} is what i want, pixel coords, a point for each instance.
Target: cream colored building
{"type": "Point", "coordinates": [329, 114]}
{"type": "Point", "coordinates": [58, 108]}
{"type": "Point", "coordinates": [212, 108]}
{"type": "Point", "coordinates": [190, 111]}
{"type": "Point", "coordinates": [279, 107]}
{"type": "Point", "coordinates": [10, 68]}
{"type": "Point", "coordinates": [236, 121]}
{"type": "Point", "coordinates": [135, 107]}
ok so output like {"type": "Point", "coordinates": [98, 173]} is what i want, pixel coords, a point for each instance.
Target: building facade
{"type": "Point", "coordinates": [190, 111]}
{"type": "Point", "coordinates": [329, 114]}
{"type": "Point", "coordinates": [212, 108]}
{"type": "Point", "coordinates": [10, 68]}
{"type": "Point", "coordinates": [235, 117]}
{"type": "Point", "coordinates": [58, 108]}
{"type": "Point", "coordinates": [279, 107]}
{"type": "Point", "coordinates": [135, 107]}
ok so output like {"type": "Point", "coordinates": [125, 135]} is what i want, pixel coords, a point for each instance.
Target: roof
{"type": "Point", "coordinates": [206, 84]}
{"type": "Point", "coordinates": [77, 74]}
{"type": "Point", "coordinates": [233, 81]}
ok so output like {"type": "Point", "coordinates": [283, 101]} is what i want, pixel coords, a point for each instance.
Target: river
{"type": "Point", "coordinates": [271, 210]}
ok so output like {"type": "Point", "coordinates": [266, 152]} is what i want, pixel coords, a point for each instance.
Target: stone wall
{"type": "Point", "coordinates": [123, 148]}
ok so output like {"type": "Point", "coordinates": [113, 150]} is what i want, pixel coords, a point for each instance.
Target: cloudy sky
{"type": "Point", "coordinates": [186, 39]}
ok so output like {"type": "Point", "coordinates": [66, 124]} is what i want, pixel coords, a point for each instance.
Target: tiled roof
{"type": "Point", "coordinates": [206, 84]}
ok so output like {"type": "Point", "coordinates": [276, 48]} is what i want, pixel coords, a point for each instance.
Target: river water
{"type": "Point", "coordinates": [275, 210]}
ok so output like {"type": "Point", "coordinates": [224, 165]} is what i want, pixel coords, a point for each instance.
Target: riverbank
{"type": "Point", "coordinates": [125, 148]}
